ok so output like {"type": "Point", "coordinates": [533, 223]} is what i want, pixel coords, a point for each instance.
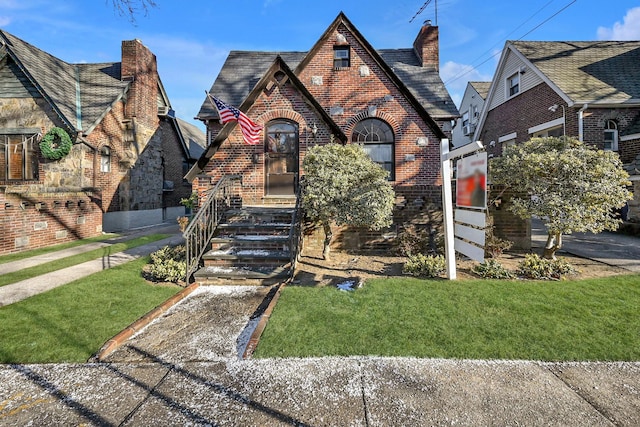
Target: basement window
{"type": "Point", "coordinates": [341, 57]}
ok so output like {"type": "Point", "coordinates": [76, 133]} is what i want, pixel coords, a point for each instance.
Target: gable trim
{"type": "Point", "coordinates": [342, 19]}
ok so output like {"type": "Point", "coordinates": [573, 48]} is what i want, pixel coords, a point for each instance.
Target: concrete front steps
{"type": "Point", "coordinates": [251, 247]}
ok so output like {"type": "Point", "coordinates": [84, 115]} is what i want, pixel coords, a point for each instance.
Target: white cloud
{"type": "Point", "coordinates": [456, 75]}
{"type": "Point", "coordinates": [629, 29]}
{"type": "Point", "coordinates": [4, 21]}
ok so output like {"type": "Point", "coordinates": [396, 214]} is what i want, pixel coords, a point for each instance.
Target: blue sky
{"type": "Point", "coordinates": [192, 38]}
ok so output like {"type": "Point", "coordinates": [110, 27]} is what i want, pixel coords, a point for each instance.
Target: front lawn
{"type": "Point", "coordinates": [595, 319]}
{"type": "Point", "coordinates": [72, 322]}
{"type": "Point", "coordinates": [59, 264]}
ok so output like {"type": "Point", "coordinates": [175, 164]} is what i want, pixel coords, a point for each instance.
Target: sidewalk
{"type": "Point", "coordinates": [182, 370]}
{"type": "Point", "coordinates": [18, 291]}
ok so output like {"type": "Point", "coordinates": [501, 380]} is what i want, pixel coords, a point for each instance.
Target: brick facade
{"type": "Point", "coordinates": [349, 94]}
{"type": "Point", "coordinates": [69, 197]}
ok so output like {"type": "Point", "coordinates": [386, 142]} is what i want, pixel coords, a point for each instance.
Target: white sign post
{"type": "Point", "coordinates": [447, 199]}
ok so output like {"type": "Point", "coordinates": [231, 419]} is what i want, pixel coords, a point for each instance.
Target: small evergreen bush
{"type": "Point", "coordinates": [420, 265]}
{"type": "Point", "coordinates": [534, 267]}
{"type": "Point", "coordinates": [492, 269]}
{"type": "Point", "coordinates": [168, 264]}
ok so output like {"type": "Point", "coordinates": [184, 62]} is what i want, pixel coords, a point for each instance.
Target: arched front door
{"type": "Point", "coordinates": [281, 158]}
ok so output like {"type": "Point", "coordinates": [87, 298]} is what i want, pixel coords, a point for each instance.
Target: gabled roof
{"type": "Point", "coordinates": [604, 72]}
{"type": "Point", "coordinates": [278, 64]}
{"type": "Point", "coordinates": [81, 94]}
{"type": "Point", "coordinates": [195, 140]}
{"type": "Point", "coordinates": [481, 87]}
{"type": "Point", "coordinates": [421, 85]}
{"type": "Point", "coordinates": [239, 75]}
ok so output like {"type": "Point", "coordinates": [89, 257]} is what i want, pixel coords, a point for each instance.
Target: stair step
{"type": "Point", "coordinates": [255, 226]}
{"type": "Point", "coordinates": [257, 215]}
{"type": "Point", "coordinates": [251, 238]}
{"type": "Point", "coordinates": [255, 275]}
{"type": "Point", "coordinates": [235, 252]}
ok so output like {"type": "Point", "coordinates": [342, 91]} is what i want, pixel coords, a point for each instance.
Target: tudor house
{"type": "Point", "coordinates": [127, 155]}
{"type": "Point", "coordinates": [586, 90]}
{"type": "Point", "coordinates": [392, 101]}
{"type": "Point", "coordinates": [342, 90]}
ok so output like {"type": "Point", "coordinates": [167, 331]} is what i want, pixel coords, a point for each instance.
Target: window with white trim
{"type": "Point", "coordinates": [105, 159]}
{"type": "Point", "coordinates": [377, 139]}
{"type": "Point", "coordinates": [611, 135]}
{"type": "Point", "coordinates": [513, 84]}
{"type": "Point", "coordinates": [554, 131]}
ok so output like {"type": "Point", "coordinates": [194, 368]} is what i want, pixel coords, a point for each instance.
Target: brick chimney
{"type": "Point", "coordinates": [426, 46]}
{"type": "Point", "coordinates": [140, 68]}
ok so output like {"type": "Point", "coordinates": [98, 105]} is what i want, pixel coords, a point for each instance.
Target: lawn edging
{"type": "Point", "coordinates": [114, 343]}
{"type": "Point", "coordinates": [262, 324]}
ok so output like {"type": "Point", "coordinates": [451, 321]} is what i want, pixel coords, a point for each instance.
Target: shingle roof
{"type": "Point", "coordinates": [77, 91]}
{"type": "Point", "coordinates": [243, 69]}
{"type": "Point", "coordinates": [588, 72]}
{"type": "Point", "coordinates": [194, 138]}
{"type": "Point", "coordinates": [240, 73]}
{"type": "Point", "coordinates": [482, 88]}
{"type": "Point", "coordinates": [423, 82]}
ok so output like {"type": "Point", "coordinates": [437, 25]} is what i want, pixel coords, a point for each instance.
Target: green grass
{"type": "Point", "coordinates": [72, 322]}
{"type": "Point", "coordinates": [41, 251]}
{"type": "Point", "coordinates": [48, 267]}
{"type": "Point", "coordinates": [596, 319]}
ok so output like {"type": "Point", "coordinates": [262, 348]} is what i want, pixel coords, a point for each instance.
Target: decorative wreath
{"type": "Point", "coordinates": [55, 144]}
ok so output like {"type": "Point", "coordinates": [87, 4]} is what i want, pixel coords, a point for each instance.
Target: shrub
{"type": "Point", "coordinates": [534, 267]}
{"type": "Point", "coordinates": [494, 246]}
{"type": "Point", "coordinates": [420, 265]}
{"type": "Point", "coordinates": [168, 264]}
{"type": "Point", "coordinates": [415, 240]}
{"type": "Point", "coordinates": [492, 269]}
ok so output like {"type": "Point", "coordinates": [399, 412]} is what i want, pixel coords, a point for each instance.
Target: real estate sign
{"type": "Point", "coordinates": [471, 186]}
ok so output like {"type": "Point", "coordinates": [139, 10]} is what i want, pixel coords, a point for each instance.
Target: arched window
{"type": "Point", "coordinates": [378, 141]}
{"type": "Point", "coordinates": [611, 135]}
{"type": "Point", "coordinates": [105, 159]}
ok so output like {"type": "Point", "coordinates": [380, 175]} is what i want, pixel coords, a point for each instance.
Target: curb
{"type": "Point", "coordinates": [115, 342]}
{"type": "Point", "coordinates": [262, 324]}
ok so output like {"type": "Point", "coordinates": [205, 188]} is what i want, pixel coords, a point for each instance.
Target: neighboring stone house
{"type": "Point", "coordinates": [128, 156]}
{"type": "Point", "coordinates": [470, 108]}
{"type": "Point", "coordinates": [587, 90]}
{"type": "Point", "coordinates": [342, 90]}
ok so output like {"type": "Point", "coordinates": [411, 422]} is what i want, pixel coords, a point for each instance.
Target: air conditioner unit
{"type": "Point", "coordinates": [163, 111]}
{"type": "Point", "coordinates": [466, 130]}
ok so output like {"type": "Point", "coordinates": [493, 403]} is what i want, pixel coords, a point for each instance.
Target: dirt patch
{"type": "Point", "coordinates": [312, 270]}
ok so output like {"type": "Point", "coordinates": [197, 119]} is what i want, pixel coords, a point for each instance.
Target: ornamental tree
{"type": "Point", "coordinates": [343, 185]}
{"type": "Point", "coordinates": [569, 185]}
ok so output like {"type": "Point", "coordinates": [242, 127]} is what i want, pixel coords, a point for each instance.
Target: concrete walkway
{"type": "Point", "coordinates": [183, 369]}
{"type": "Point", "coordinates": [609, 248]}
{"type": "Point", "coordinates": [18, 291]}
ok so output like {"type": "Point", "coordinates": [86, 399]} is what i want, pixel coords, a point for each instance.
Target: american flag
{"type": "Point", "coordinates": [250, 129]}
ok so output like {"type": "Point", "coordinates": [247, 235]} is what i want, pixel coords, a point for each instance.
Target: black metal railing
{"type": "Point", "coordinates": [202, 227]}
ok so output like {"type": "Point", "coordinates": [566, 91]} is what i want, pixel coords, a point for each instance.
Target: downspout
{"type": "Point", "coordinates": [82, 139]}
{"type": "Point", "coordinates": [581, 122]}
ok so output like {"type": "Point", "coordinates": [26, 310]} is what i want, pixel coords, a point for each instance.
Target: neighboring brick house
{"type": "Point", "coordinates": [470, 108]}
{"type": "Point", "coordinates": [342, 90]}
{"type": "Point", "coordinates": [126, 165]}
{"type": "Point", "coordinates": [587, 90]}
